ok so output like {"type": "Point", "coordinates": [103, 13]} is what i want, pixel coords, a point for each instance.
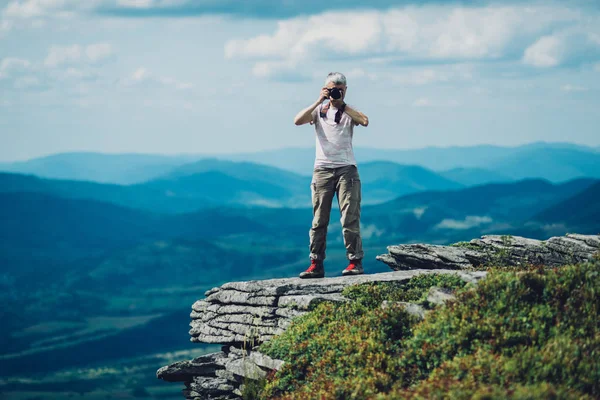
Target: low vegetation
{"type": "Point", "coordinates": [530, 334]}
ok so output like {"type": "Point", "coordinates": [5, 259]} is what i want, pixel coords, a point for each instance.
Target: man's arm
{"type": "Point", "coordinates": [305, 116]}
{"type": "Point", "coordinates": [358, 117]}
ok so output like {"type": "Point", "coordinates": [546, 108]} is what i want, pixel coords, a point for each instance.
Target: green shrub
{"type": "Point", "coordinates": [346, 349]}
{"type": "Point", "coordinates": [415, 290]}
{"type": "Point", "coordinates": [531, 334]}
{"type": "Point", "coordinates": [510, 314]}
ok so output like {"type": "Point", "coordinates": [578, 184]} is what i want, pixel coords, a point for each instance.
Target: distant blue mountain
{"type": "Point", "coordinates": [474, 176]}
{"type": "Point", "coordinates": [133, 196]}
{"type": "Point", "coordinates": [386, 180]}
{"type": "Point", "coordinates": [553, 164]}
{"type": "Point", "coordinates": [579, 211]}
{"type": "Point", "coordinates": [439, 159]}
{"type": "Point", "coordinates": [211, 182]}
{"type": "Point", "coordinates": [469, 212]}
{"type": "Point", "coordinates": [242, 171]}
{"type": "Point", "coordinates": [224, 189]}
{"type": "Point", "coordinates": [515, 162]}
{"type": "Point", "coordinates": [124, 168]}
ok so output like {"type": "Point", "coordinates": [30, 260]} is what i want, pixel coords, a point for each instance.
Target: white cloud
{"type": "Point", "coordinates": [40, 9]}
{"type": "Point", "coordinates": [78, 74]}
{"type": "Point", "coordinates": [279, 70]}
{"type": "Point", "coordinates": [369, 231]}
{"type": "Point", "coordinates": [143, 77]}
{"type": "Point", "coordinates": [11, 66]}
{"type": "Point", "coordinates": [20, 74]}
{"type": "Point", "coordinates": [422, 102]}
{"type": "Point", "coordinates": [357, 73]}
{"type": "Point", "coordinates": [27, 82]}
{"type": "Point", "coordinates": [143, 4]}
{"type": "Point", "coordinates": [135, 3]}
{"type": "Point", "coordinates": [59, 55]}
{"type": "Point", "coordinates": [140, 74]}
{"type": "Point", "coordinates": [35, 13]}
{"type": "Point", "coordinates": [5, 26]}
{"type": "Point", "coordinates": [98, 51]}
{"type": "Point", "coordinates": [172, 82]}
{"type": "Point", "coordinates": [419, 77]}
{"type": "Point", "coordinates": [424, 35]}
{"type": "Point", "coordinates": [573, 88]}
{"type": "Point", "coordinates": [546, 52]}
{"type": "Point", "coordinates": [461, 33]}
{"type": "Point", "coordinates": [28, 9]}
{"type": "Point", "coordinates": [470, 221]}
{"type": "Point", "coordinates": [571, 45]}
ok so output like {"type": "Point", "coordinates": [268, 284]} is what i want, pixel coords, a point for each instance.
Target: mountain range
{"type": "Point", "coordinates": [211, 183]}
{"type": "Point", "coordinates": [97, 251]}
{"type": "Point", "coordinates": [549, 160]}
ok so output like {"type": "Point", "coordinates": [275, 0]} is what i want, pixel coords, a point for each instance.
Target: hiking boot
{"type": "Point", "coordinates": [316, 270]}
{"type": "Point", "coordinates": [354, 268]}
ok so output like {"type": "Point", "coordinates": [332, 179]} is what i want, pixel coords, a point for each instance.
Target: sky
{"type": "Point", "coordinates": [226, 76]}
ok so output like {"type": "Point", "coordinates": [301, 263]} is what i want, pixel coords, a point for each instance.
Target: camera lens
{"type": "Point", "coordinates": [335, 93]}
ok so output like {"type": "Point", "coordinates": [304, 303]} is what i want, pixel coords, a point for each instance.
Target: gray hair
{"type": "Point", "coordinates": [336, 77]}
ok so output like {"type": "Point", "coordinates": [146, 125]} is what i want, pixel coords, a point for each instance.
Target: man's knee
{"type": "Point", "coordinates": [320, 223]}
{"type": "Point", "coordinates": [350, 215]}
{"type": "Point", "coordinates": [351, 230]}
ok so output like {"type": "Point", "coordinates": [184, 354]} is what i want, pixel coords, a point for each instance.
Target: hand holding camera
{"type": "Point", "coordinates": [324, 95]}
{"type": "Point", "coordinates": [330, 93]}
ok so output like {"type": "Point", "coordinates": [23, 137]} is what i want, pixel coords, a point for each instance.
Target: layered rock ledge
{"type": "Point", "coordinates": [242, 315]}
{"type": "Point", "coordinates": [493, 250]}
{"type": "Point", "coordinates": [253, 312]}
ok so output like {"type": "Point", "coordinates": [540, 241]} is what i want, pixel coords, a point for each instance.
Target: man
{"type": "Point", "coordinates": [335, 172]}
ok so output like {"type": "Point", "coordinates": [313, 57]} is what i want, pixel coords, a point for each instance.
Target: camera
{"type": "Point", "coordinates": [335, 93]}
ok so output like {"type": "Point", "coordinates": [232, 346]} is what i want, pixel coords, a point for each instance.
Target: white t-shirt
{"type": "Point", "coordinates": [333, 141]}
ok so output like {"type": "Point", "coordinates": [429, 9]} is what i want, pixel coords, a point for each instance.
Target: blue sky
{"type": "Point", "coordinates": [218, 76]}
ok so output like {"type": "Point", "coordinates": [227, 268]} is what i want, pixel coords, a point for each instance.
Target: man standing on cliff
{"type": "Point", "coordinates": [335, 173]}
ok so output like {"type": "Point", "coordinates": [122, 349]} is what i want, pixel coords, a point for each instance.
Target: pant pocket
{"type": "Point", "coordinates": [355, 188]}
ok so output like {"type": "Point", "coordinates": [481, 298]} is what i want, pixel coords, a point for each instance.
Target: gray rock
{"type": "Point", "coordinates": [264, 361]}
{"type": "Point", "coordinates": [411, 308]}
{"type": "Point", "coordinates": [493, 249]}
{"type": "Point", "coordinates": [184, 371]}
{"type": "Point", "coordinates": [211, 387]}
{"type": "Point", "coordinates": [255, 311]}
{"type": "Point", "coordinates": [223, 373]}
{"type": "Point", "coordinates": [303, 302]}
{"type": "Point", "coordinates": [245, 367]}
{"type": "Point", "coordinates": [237, 297]}
{"type": "Point", "coordinates": [438, 295]}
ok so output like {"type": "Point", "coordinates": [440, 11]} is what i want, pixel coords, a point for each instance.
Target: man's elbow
{"type": "Point", "coordinates": [365, 121]}
{"type": "Point", "coordinates": [300, 121]}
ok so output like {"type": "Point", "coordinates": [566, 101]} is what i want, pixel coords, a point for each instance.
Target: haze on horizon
{"type": "Point", "coordinates": [157, 76]}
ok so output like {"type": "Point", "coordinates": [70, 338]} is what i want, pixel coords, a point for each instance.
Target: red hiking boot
{"type": "Point", "coordinates": [354, 268]}
{"type": "Point", "coordinates": [316, 270]}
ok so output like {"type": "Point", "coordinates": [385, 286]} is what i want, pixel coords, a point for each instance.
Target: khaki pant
{"type": "Point", "coordinates": [345, 183]}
